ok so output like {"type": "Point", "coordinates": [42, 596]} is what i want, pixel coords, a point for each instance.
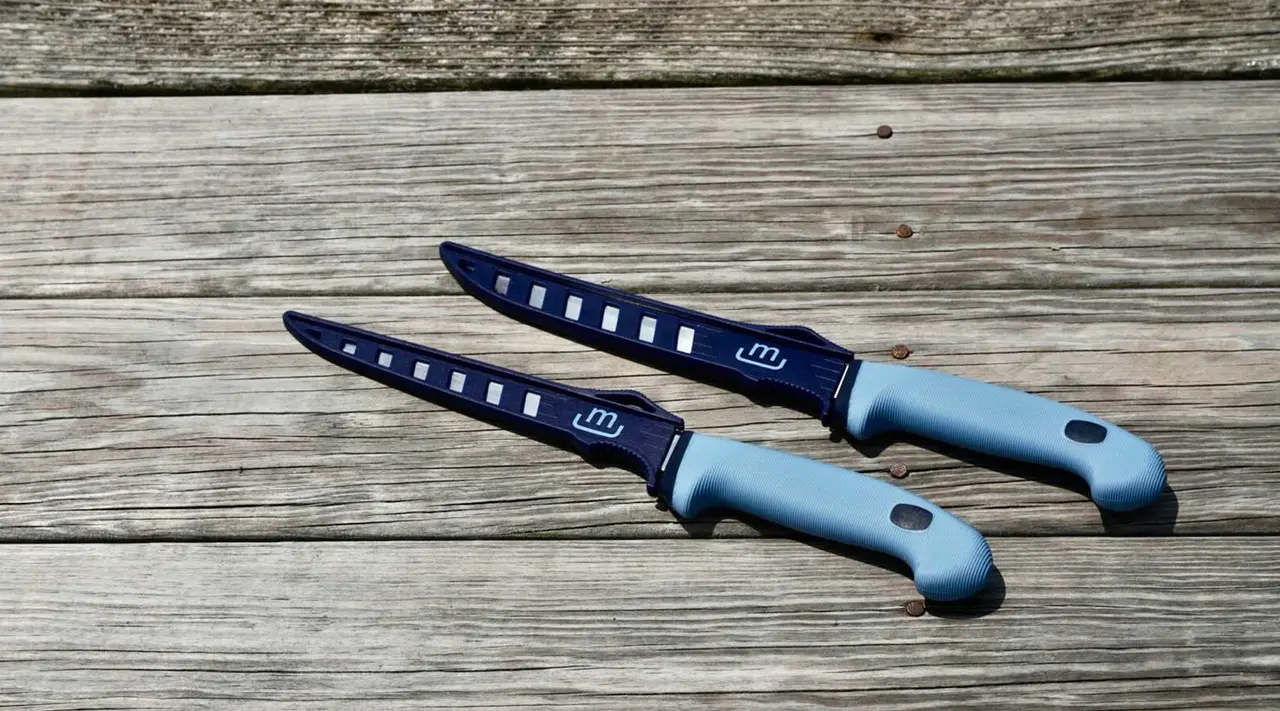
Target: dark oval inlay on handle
{"type": "Point", "coordinates": [910, 517]}
{"type": "Point", "coordinates": [1085, 432]}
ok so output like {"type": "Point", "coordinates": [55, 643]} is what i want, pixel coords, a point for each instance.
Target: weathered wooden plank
{"type": "Point", "coordinates": [1049, 186]}
{"type": "Point", "coordinates": [308, 45]}
{"type": "Point", "coordinates": [1080, 623]}
{"type": "Point", "coordinates": [194, 418]}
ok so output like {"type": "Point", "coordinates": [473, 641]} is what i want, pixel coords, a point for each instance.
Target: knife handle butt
{"type": "Point", "coordinates": [1123, 471]}
{"type": "Point", "coordinates": [950, 560]}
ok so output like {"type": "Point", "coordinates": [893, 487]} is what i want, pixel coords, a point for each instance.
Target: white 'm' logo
{"type": "Point", "coordinates": [603, 419]}
{"type": "Point", "coordinates": [762, 356]}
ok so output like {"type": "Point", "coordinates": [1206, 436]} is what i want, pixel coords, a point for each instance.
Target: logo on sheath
{"type": "Point", "coordinates": [762, 356]}
{"type": "Point", "coordinates": [603, 419]}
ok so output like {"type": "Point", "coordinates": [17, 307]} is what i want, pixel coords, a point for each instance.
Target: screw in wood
{"type": "Point", "coordinates": [898, 470]}
{"type": "Point", "coordinates": [904, 231]}
{"type": "Point", "coordinates": [884, 131]}
{"type": "Point", "coordinates": [913, 608]}
{"type": "Point", "coordinates": [900, 352]}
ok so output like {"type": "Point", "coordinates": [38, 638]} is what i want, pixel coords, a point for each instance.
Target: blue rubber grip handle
{"type": "Point", "coordinates": [1122, 470]}
{"type": "Point", "coordinates": [950, 560]}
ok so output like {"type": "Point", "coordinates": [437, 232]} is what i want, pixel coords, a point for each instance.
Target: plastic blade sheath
{"type": "Point", "coordinates": [785, 365]}
{"type": "Point", "coordinates": [605, 427]}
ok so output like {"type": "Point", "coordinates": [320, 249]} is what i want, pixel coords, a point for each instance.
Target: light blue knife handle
{"type": "Point", "coordinates": [1123, 471]}
{"type": "Point", "coordinates": [949, 558]}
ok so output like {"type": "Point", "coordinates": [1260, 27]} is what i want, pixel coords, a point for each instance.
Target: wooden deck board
{"type": "Point", "coordinates": [734, 190]}
{"type": "Point", "coordinates": [287, 45]}
{"type": "Point", "coordinates": [1081, 623]}
{"type": "Point", "coordinates": [143, 418]}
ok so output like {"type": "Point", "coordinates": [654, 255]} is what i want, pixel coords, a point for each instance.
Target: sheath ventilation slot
{"type": "Point", "coordinates": [531, 402]}
{"type": "Point", "coordinates": [573, 308]}
{"type": "Point", "coordinates": [609, 321]}
{"type": "Point", "coordinates": [457, 380]}
{"type": "Point", "coordinates": [648, 328]}
{"type": "Point", "coordinates": [384, 359]}
{"type": "Point", "coordinates": [537, 295]}
{"type": "Point", "coordinates": [501, 284]}
{"type": "Point", "coordinates": [420, 370]}
{"type": "Point", "coordinates": [684, 341]}
{"type": "Point", "coordinates": [494, 394]}
{"type": "Point", "coordinates": [349, 347]}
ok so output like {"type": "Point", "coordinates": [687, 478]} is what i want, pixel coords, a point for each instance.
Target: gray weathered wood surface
{"type": "Point", "coordinates": [1083, 623]}
{"type": "Point", "coordinates": [310, 45]}
{"type": "Point", "coordinates": [1028, 186]}
{"type": "Point", "coordinates": [165, 448]}
{"type": "Point", "coordinates": [202, 417]}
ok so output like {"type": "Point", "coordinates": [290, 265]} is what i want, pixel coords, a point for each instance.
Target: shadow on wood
{"type": "Point", "coordinates": [1158, 519]}
{"type": "Point", "coordinates": [980, 605]}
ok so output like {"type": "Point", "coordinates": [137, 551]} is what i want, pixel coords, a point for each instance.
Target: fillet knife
{"type": "Point", "coordinates": [691, 472]}
{"type": "Point", "coordinates": [795, 367]}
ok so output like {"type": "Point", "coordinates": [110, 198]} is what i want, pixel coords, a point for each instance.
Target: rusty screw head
{"type": "Point", "coordinates": [904, 231]}
{"type": "Point", "coordinates": [900, 352]}
{"type": "Point", "coordinates": [913, 608]}
{"type": "Point", "coordinates": [884, 131]}
{"type": "Point", "coordinates": [898, 470]}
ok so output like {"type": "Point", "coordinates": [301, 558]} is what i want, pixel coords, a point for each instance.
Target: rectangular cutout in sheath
{"type": "Point", "coordinates": [537, 295]}
{"type": "Point", "coordinates": [573, 308]}
{"type": "Point", "coordinates": [610, 320]}
{"type": "Point", "coordinates": [531, 402]}
{"type": "Point", "coordinates": [648, 328]}
{"type": "Point", "coordinates": [684, 342]}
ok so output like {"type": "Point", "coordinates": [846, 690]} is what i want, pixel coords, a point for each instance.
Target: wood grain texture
{"type": "Point", "coordinates": [1079, 623]}
{"type": "Point", "coordinates": [202, 418]}
{"type": "Point", "coordinates": [1006, 186]}
{"type": "Point", "coordinates": [309, 45]}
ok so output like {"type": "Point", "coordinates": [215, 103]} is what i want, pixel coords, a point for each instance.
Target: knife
{"type": "Point", "coordinates": [691, 472]}
{"type": "Point", "coordinates": [795, 367]}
